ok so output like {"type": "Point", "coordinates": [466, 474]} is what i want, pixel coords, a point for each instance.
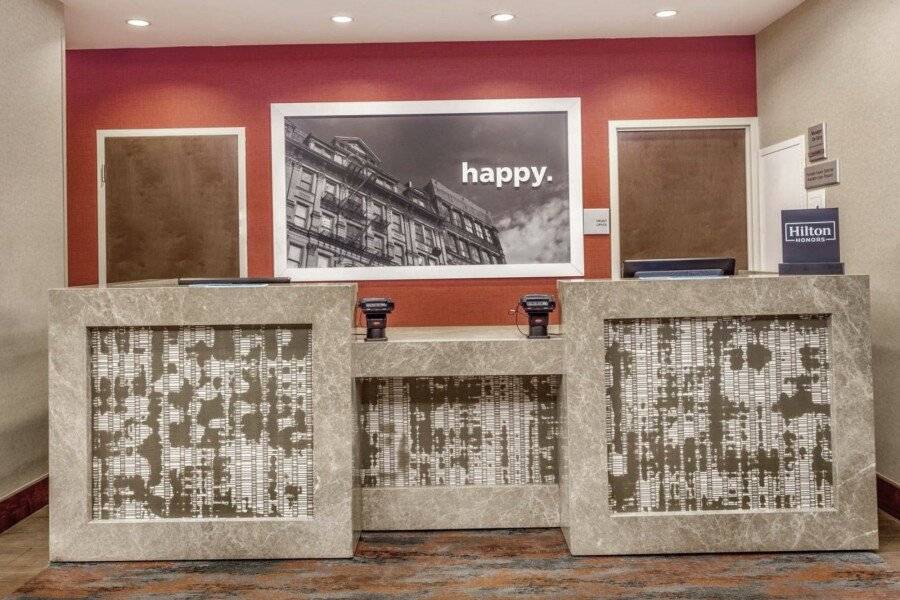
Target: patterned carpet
{"type": "Point", "coordinates": [480, 564]}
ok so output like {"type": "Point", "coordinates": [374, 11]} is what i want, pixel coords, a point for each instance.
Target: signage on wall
{"type": "Point", "coordinates": [596, 221]}
{"type": "Point", "coordinates": [420, 190]}
{"type": "Point", "coordinates": [815, 198]}
{"type": "Point", "coordinates": [822, 174]}
{"type": "Point", "coordinates": [815, 143]}
{"type": "Point", "coordinates": [810, 241]}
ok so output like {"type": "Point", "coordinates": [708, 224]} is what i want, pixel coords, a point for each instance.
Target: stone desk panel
{"type": "Point", "coordinates": [202, 423]}
{"type": "Point", "coordinates": [719, 415]}
{"type": "Point", "coordinates": [432, 351]}
{"type": "Point", "coordinates": [459, 452]}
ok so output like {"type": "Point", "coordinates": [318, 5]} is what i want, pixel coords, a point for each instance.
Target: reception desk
{"type": "Point", "coordinates": [722, 415]}
{"type": "Point", "coordinates": [663, 416]}
{"type": "Point", "coordinates": [202, 423]}
{"type": "Point", "coordinates": [458, 428]}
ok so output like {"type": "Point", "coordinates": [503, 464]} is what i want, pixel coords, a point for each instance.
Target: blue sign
{"type": "Point", "coordinates": [810, 236]}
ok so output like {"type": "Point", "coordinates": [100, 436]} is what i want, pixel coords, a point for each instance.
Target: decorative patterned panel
{"type": "Point", "coordinates": [720, 413]}
{"type": "Point", "coordinates": [201, 422]}
{"type": "Point", "coordinates": [422, 431]}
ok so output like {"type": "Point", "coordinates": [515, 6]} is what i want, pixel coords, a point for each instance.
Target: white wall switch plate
{"type": "Point", "coordinates": [815, 198]}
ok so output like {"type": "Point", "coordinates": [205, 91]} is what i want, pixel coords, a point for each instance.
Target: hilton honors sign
{"type": "Point", "coordinates": [810, 241]}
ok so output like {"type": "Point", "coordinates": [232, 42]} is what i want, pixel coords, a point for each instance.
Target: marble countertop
{"type": "Point", "coordinates": [444, 351]}
{"type": "Point", "coordinates": [489, 333]}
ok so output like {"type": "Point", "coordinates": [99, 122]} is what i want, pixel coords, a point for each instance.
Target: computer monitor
{"type": "Point", "coordinates": [678, 267]}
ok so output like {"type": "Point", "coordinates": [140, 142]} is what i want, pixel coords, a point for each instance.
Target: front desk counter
{"type": "Point", "coordinates": [202, 423]}
{"type": "Point", "coordinates": [458, 428]}
{"type": "Point", "coordinates": [665, 416]}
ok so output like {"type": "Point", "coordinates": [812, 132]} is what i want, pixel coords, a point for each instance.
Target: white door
{"type": "Point", "coordinates": [781, 187]}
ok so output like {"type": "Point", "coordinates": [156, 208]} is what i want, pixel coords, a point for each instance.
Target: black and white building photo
{"type": "Point", "coordinates": [345, 210]}
{"type": "Point", "coordinates": [369, 193]}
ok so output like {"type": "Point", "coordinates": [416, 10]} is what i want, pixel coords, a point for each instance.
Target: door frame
{"type": "Point", "coordinates": [750, 125]}
{"type": "Point", "coordinates": [102, 134]}
{"type": "Point", "coordinates": [799, 140]}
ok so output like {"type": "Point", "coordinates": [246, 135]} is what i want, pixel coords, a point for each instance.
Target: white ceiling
{"type": "Point", "coordinates": [101, 23]}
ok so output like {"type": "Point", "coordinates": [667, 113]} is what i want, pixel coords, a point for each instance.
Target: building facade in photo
{"type": "Point", "coordinates": [344, 210]}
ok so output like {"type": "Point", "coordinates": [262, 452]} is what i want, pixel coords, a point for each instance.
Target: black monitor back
{"type": "Point", "coordinates": [678, 267]}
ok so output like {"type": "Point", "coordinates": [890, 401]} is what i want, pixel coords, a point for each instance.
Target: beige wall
{"type": "Point", "coordinates": [32, 227]}
{"type": "Point", "coordinates": [837, 61]}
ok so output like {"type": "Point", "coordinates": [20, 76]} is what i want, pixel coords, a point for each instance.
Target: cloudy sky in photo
{"type": "Point", "coordinates": [539, 234]}
{"type": "Point", "coordinates": [533, 222]}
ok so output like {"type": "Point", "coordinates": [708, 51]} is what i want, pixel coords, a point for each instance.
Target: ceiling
{"type": "Point", "coordinates": [101, 23]}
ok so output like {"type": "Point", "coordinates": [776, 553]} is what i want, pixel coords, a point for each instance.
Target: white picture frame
{"type": "Point", "coordinates": [280, 112]}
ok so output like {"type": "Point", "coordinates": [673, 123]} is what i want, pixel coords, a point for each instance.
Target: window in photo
{"type": "Point", "coordinates": [301, 215]}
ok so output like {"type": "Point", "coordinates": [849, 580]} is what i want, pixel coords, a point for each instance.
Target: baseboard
{"type": "Point", "coordinates": [889, 497]}
{"type": "Point", "coordinates": [24, 502]}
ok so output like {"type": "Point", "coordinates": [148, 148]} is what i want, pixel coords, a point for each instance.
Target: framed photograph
{"type": "Point", "coordinates": [427, 190]}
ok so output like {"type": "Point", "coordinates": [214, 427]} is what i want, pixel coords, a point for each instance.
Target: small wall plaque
{"type": "Point", "coordinates": [815, 198]}
{"type": "Point", "coordinates": [822, 174]}
{"type": "Point", "coordinates": [596, 221]}
{"type": "Point", "coordinates": [815, 143]}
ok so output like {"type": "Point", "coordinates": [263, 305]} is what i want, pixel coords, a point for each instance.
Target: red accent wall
{"type": "Point", "coordinates": [233, 87]}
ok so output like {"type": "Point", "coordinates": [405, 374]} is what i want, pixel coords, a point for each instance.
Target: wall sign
{"type": "Point", "coordinates": [596, 221]}
{"type": "Point", "coordinates": [420, 190]}
{"type": "Point", "coordinates": [822, 174]}
{"type": "Point", "coordinates": [815, 143]}
{"type": "Point", "coordinates": [815, 198]}
{"type": "Point", "coordinates": [810, 235]}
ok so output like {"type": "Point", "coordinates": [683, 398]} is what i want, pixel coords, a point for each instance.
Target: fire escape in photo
{"type": "Point", "coordinates": [344, 210]}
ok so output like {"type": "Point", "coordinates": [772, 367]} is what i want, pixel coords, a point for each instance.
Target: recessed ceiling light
{"type": "Point", "coordinates": [342, 19]}
{"type": "Point", "coordinates": [503, 17]}
{"type": "Point", "coordinates": [666, 14]}
{"type": "Point", "coordinates": [138, 22]}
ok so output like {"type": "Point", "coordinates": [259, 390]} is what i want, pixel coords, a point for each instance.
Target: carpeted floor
{"type": "Point", "coordinates": [480, 564]}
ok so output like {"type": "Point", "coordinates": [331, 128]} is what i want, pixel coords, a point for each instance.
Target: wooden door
{"type": "Point", "coordinates": [683, 194]}
{"type": "Point", "coordinates": [171, 207]}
